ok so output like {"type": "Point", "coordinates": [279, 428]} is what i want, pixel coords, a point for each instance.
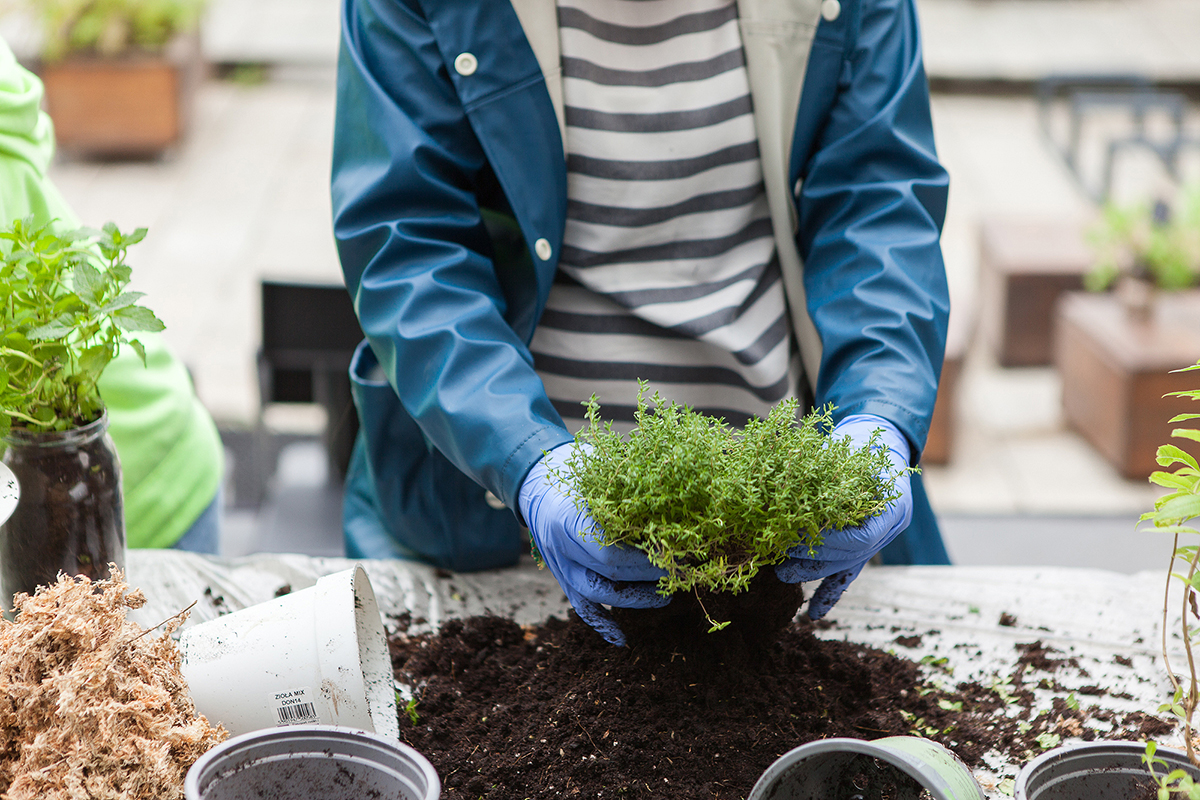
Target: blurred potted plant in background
{"type": "Point", "coordinates": [120, 75]}
{"type": "Point", "coordinates": [1145, 248]}
{"type": "Point", "coordinates": [1116, 351]}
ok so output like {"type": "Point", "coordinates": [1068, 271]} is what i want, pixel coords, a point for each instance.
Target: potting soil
{"type": "Point", "coordinates": [71, 517]}
{"type": "Point", "coordinates": [507, 712]}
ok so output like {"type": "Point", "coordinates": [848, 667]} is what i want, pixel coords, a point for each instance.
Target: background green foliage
{"type": "Point", "coordinates": [1150, 241]}
{"type": "Point", "coordinates": [112, 27]}
{"type": "Point", "coordinates": [712, 505]}
{"type": "Point", "coordinates": [64, 313]}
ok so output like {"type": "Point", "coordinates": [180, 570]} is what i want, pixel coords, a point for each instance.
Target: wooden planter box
{"type": "Point", "coordinates": [1025, 267]}
{"type": "Point", "coordinates": [1116, 368]}
{"type": "Point", "coordinates": [939, 444]}
{"type": "Point", "coordinates": [135, 106]}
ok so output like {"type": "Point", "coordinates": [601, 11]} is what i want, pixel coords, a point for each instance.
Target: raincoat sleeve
{"type": "Point", "coordinates": [408, 173]}
{"type": "Point", "coordinates": [871, 206]}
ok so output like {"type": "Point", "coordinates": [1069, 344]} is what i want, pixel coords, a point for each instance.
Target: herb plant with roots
{"type": "Point", "coordinates": [712, 505]}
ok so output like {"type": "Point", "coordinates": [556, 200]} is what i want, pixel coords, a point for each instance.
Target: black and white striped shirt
{"type": "Point", "coordinates": [668, 271]}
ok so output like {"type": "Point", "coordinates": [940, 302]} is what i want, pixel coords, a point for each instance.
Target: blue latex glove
{"type": "Point", "coordinates": [591, 575]}
{"type": "Point", "coordinates": [843, 553]}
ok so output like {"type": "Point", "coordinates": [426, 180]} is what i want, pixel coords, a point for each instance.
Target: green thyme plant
{"type": "Point", "coordinates": [712, 505]}
{"type": "Point", "coordinates": [1172, 513]}
{"type": "Point", "coordinates": [64, 314]}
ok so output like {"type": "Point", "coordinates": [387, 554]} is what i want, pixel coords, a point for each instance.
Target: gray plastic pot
{"type": "Point", "coordinates": [311, 762]}
{"type": "Point", "coordinates": [1093, 771]}
{"type": "Point", "coordinates": [815, 771]}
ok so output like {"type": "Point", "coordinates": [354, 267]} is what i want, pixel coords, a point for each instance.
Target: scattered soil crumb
{"type": "Point", "coordinates": [871, 777]}
{"type": "Point", "coordinates": [90, 705]}
{"type": "Point", "coordinates": [217, 601]}
{"type": "Point", "coordinates": [1037, 655]}
{"type": "Point", "coordinates": [1008, 620]}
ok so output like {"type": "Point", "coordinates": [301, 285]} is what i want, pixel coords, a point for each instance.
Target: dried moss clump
{"type": "Point", "coordinates": [90, 705]}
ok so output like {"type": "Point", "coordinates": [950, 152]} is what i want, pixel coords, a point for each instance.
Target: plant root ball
{"type": "Point", "coordinates": [757, 618]}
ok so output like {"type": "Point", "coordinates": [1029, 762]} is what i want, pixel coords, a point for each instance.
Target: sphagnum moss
{"type": "Point", "coordinates": [91, 706]}
{"type": "Point", "coordinates": [712, 505]}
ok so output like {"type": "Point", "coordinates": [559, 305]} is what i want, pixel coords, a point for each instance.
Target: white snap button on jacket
{"type": "Point", "coordinates": [830, 9]}
{"type": "Point", "coordinates": [543, 249]}
{"type": "Point", "coordinates": [466, 63]}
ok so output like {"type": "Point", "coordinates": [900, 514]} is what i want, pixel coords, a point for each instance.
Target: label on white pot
{"type": "Point", "coordinates": [296, 706]}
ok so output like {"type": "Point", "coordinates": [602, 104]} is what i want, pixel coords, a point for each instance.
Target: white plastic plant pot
{"type": "Point", "coordinates": [819, 771]}
{"type": "Point", "coordinates": [311, 762]}
{"type": "Point", "coordinates": [315, 656]}
{"type": "Point", "coordinates": [1095, 771]}
{"type": "Point", "coordinates": [10, 493]}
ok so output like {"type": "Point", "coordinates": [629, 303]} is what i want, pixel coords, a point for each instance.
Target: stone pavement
{"type": "Point", "coordinates": [246, 198]}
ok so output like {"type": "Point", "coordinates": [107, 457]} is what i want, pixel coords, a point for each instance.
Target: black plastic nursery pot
{"type": "Point", "coordinates": [833, 769]}
{"type": "Point", "coordinates": [1094, 771]}
{"type": "Point", "coordinates": [312, 762]}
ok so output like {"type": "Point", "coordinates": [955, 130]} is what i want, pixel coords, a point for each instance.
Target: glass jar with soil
{"type": "Point", "coordinates": [70, 517]}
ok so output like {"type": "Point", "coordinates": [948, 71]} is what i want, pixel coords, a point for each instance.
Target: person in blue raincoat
{"type": "Point", "coordinates": [735, 200]}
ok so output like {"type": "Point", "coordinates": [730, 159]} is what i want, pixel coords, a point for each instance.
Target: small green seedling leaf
{"type": "Point", "coordinates": [410, 708]}
{"type": "Point", "coordinates": [1169, 454]}
{"type": "Point", "coordinates": [1048, 740]}
{"type": "Point", "coordinates": [137, 318]}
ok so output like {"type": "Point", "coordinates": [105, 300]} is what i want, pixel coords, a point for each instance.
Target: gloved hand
{"type": "Point", "coordinates": [843, 553]}
{"type": "Point", "coordinates": [591, 575]}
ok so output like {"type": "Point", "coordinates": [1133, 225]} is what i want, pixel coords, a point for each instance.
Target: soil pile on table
{"type": "Point", "coordinates": [90, 705]}
{"type": "Point", "coordinates": [548, 711]}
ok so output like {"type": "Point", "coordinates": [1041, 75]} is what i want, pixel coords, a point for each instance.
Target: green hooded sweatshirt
{"type": "Point", "coordinates": [171, 455]}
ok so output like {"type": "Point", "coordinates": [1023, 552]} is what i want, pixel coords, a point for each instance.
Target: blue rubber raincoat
{"type": "Point", "coordinates": [449, 203]}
